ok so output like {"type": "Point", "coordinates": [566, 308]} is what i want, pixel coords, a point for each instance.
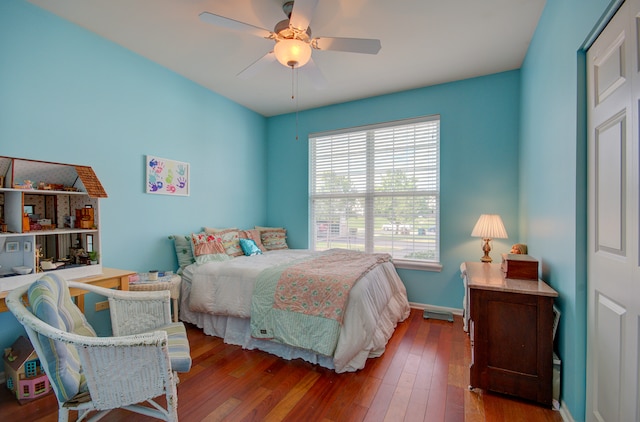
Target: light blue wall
{"type": "Point", "coordinates": [479, 168]}
{"type": "Point", "coordinates": [70, 96]}
{"type": "Point", "coordinates": [553, 173]}
{"type": "Point", "coordinates": [512, 143]}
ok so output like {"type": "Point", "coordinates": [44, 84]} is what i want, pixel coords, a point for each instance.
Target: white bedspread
{"type": "Point", "coordinates": [217, 297]}
{"type": "Point", "coordinates": [225, 288]}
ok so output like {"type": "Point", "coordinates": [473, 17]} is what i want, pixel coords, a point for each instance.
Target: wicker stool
{"type": "Point", "coordinates": [171, 283]}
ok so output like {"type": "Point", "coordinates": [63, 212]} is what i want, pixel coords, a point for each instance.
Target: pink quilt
{"type": "Point", "coordinates": [321, 286]}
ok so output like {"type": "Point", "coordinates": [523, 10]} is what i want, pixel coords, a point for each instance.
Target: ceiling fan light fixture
{"type": "Point", "coordinates": [292, 52]}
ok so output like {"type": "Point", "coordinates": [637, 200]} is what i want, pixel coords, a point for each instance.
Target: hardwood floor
{"type": "Point", "coordinates": [422, 376]}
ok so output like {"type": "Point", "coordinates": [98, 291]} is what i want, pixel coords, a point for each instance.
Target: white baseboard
{"type": "Point", "coordinates": [564, 412]}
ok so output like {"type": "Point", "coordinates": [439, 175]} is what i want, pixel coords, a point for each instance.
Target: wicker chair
{"type": "Point", "coordinates": [90, 373]}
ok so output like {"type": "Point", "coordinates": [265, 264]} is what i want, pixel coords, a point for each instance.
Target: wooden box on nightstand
{"type": "Point", "coordinates": [523, 267]}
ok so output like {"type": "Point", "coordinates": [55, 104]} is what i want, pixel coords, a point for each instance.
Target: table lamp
{"type": "Point", "coordinates": [489, 226]}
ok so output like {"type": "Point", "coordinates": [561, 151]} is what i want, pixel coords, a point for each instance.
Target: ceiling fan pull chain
{"type": "Point", "coordinates": [294, 88]}
{"type": "Point", "coordinates": [292, 83]}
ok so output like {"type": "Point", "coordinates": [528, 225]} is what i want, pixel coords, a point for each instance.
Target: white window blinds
{"type": "Point", "coordinates": [377, 188]}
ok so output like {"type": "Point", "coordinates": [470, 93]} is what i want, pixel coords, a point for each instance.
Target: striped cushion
{"type": "Point", "coordinates": [50, 301]}
{"type": "Point", "coordinates": [179, 353]}
{"type": "Point", "coordinates": [274, 239]}
{"type": "Point", "coordinates": [74, 320]}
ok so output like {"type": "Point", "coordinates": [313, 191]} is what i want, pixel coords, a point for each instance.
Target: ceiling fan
{"type": "Point", "coordinates": [293, 41]}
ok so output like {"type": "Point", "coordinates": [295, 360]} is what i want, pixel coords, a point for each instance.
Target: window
{"type": "Point", "coordinates": [377, 189]}
{"type": "Point", "coordinates": [40, 387]}
{"type": "Point", "coordinates": [31, 368]}
{"type": "Point", "coordinates": [89, 243]}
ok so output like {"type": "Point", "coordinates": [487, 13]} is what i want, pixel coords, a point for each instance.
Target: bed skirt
{"type": "Point", "coordinates": [237, 331]}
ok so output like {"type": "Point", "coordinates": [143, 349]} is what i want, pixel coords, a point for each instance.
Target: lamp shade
{"type": "Point", "coordinates": [292, 52]}
{"type": "Point", "coordinates": [489, 226]}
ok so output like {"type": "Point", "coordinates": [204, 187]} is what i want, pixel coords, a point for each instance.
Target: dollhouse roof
{"type": "Point", "coordinates": [22, 349]}
{"type": "Point", "coordinates": [17, 170]}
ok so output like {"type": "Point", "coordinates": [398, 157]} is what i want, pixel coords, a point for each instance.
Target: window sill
{"type": "Point", "coordinates": [408, 264]}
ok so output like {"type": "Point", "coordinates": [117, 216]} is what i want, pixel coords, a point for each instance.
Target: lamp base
{"type": "Point", "coordinates": [486, 249]}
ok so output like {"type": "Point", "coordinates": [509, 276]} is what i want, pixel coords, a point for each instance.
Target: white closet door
{"type": "Point", "coordinates": [613, 253]}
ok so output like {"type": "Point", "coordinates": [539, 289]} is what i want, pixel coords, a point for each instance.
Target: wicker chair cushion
{"type": "Point", "coordinates": [51, 302]}
{"type": "Point", "coordinates": [179, 353]}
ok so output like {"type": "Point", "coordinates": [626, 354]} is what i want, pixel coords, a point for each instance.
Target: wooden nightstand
{"type": "Point", "coordinates": [511, 330]}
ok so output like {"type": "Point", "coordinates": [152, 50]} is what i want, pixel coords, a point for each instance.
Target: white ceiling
{"type": "Point", "coordinates": [424, 42]}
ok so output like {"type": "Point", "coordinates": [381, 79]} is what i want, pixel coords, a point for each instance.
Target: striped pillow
{"type": "Point", "coordinates": [51, 302]}
{"type": "Point", "coordinates": [274, 239]}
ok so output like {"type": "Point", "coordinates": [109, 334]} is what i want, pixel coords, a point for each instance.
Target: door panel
{"type": "Point", "coordinates": [608, 359]}
{"type": "Point", "coordinates": [610, 185]}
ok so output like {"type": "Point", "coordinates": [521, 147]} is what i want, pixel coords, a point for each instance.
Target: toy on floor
{"type": "Point", "coordinates": [24, 373]}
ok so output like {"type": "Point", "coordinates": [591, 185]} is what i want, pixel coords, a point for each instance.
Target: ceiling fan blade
{"type": "Point", "coordinates": [313, 72]}
{"type": "Point", "coordinates": [351, 45]}
{"type": "Point", "coordinates": [235, 25]}
{"type": "Point", "coordinates": [256, 67]}
{"type": "Point", "coordinates": [302, 13]}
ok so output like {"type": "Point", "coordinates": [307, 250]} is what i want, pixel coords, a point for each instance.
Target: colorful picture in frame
{"type": "Point", "coordinates": [166, 177]}
{"type": "Point", "coordinates": [12, 246]}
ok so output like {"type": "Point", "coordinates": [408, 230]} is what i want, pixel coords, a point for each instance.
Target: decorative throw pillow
{"type": "Point", "coordinates": [274, 239]}
{"type": "Point", "coordinates": [255, 236]}
{"type": "Point", "coordinates": [208, 247]}
{"type": "Point", "coordinates": [184, 251]}
{"type": "Point", "coordinates": [231, 241]}
{"type": "Point", "coordinates": [249, 247]}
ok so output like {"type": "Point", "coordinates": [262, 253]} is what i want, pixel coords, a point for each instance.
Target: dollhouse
{"type": "Point", "coordinates": [24, 373]}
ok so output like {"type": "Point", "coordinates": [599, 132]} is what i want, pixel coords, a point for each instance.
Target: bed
{"type": "Point", "coordinates": [222, 297]}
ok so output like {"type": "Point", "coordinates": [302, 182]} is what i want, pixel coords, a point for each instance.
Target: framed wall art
{"type": "Point", "coordinates": [166, 177]}
{"type": "Point", "coordinates": [12, 246]}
